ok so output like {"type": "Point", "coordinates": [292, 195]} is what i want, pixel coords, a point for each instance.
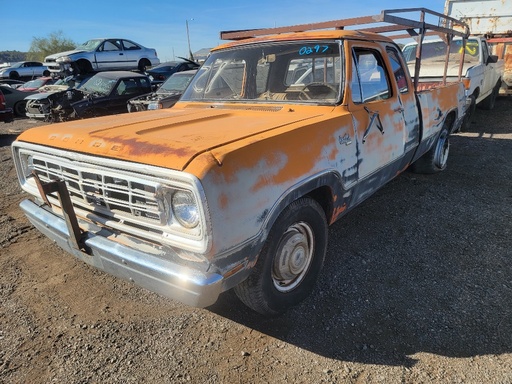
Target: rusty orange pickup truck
{"type": "Point", "coordinates": [281, 132]}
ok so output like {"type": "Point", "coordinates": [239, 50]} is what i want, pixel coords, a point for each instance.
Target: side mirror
{"type": "Point", "coordinates": [492, 59]}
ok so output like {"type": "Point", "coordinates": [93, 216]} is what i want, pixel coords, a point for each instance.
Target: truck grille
{"type": "Point", "coordinates": [126, 198]}
{"type": "Point", "coordinates": [122, 196]}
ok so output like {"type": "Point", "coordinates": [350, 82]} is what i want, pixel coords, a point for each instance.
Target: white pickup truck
{"type": "Point", "coordinates": [493, 20]}
{"type": "Point", "coordinates": [482, 71]}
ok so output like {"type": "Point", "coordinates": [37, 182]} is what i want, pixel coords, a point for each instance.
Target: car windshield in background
{"type": "Point", "coordinates": [37, 83]}
{"type": "Point", "coordinates": [89, 45]}
{"type": "Point", "coordinates": [307, 72]}
{"type": "Point", "coordinates": [99, 85]}
{"type": "Point", "coordinates": [176, 83]}
{"type": "Point", "coordinates": [436, 51]}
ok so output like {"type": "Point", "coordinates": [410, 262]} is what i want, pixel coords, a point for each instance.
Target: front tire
{"type": "Point", "coordinates": [290, 261]}
{"type": "Point", "coordinates": [468, 117]}
{"type": "Point", "coordinates": [83, 67]}
{"type": "Point", "coordinates": [490, 101]}
{"type": "Point", "coordinates": [20, 108]}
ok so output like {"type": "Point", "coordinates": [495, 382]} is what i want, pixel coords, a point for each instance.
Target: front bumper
{"type": "Point", "coordinates": [143, 266]}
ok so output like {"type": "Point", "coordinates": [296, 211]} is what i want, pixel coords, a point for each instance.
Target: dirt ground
{"type": "Point", "coordinates": [416, 288]}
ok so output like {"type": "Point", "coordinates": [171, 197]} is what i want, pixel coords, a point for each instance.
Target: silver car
{"type": "Point", "coordinates": [102, 55]}
{"type": "Point", "coordinates": [24, 70]}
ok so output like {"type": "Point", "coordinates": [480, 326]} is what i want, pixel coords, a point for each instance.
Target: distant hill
{"type": "Point", "coordinates": [12, 56]}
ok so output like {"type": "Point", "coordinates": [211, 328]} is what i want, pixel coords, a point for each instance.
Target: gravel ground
{"type": "Point", "coordinates": [416, 289]}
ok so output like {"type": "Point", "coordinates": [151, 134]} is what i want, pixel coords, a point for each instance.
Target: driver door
{"type": "Point", "coordinates": [378, 114]}
{"type": "Point", "coordinates": [110, 55]}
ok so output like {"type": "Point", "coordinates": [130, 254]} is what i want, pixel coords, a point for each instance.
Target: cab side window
{"type": "Point", "coordinates": [369, 78]}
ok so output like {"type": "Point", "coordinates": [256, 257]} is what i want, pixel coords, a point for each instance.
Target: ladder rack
{"type": "Point", "coordinates": [388, 22]}
{"type": "Point", "coordinates": [446, 25]}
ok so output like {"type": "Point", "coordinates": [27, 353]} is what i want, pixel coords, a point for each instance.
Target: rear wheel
{"type": "Point", "coordinates": [144, 64]}
{"type": "Point", "coordinates": [436, 159]}
{"type": "Point", "coordinates": [46, 73]}
{"type": "Point", "coordinates": [290, 261]}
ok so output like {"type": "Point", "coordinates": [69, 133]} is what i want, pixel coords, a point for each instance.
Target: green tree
{"type": "Point", "coordinates": [44, 46]}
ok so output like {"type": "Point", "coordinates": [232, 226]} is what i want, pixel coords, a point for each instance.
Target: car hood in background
{"type": "Point", "coordinates": [60, 54]}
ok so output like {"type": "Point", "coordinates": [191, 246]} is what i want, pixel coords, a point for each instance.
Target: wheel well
{"type": "Point", "coordinates": [144, 63]}
{"type": "Point", "coordinates": [450, 120]}
{"type": "Point", "coordinates": [323, 196]}
{"type": "Point", "coordinates": [84, 64]}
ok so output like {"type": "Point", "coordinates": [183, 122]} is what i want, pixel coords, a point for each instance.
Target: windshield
{"type": "Point", "coordinates": [435, 51]}
{"type": "Point", "coordinates": [176, 83]}
{"type": "Point", "coordinates": [308, 72]}
{"type": "Point", "coordinates": [90, 45]}
{"type": "Point", "coordinates": [99, 85]}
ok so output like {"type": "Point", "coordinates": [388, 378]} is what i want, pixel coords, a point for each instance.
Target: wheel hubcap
{"type": "Point", "coordinates": [442, 150]}
{"type": "Point", "coordinates": [293, 257]}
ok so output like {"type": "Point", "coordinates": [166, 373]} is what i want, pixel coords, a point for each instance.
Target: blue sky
{"type": "Point", "coordinates": [162, 24]}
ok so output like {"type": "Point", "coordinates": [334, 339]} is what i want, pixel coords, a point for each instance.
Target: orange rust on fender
{"type": "Point", "coordinates": [337, 212]}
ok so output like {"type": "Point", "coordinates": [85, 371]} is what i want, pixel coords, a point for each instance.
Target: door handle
{"type": "Point", "coordinates": [374, 119]}
{"type": "Point", "coordinates": [399, 110]}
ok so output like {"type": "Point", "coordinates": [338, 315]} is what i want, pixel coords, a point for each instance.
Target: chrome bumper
{"type": "Point", "coordinates": [146, 269]}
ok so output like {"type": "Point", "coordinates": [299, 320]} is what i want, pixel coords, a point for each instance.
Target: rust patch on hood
{"type": "Point", "coordinates": [169, 138]}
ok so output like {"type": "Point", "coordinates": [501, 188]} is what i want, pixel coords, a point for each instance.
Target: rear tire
{"type": "Point", "coordinates": [290, 261]}
{"type": "Point", "coordinates": [144, 64]}
{"type": "Point", "coordinates": [436, 159]}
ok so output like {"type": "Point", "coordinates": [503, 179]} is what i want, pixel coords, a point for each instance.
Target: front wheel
{"type": "Point", "coordinates": [490, 101]}
{"type": "Point", "coordinates": [468, 117]}
{"type": "Point", "coordinates": [290, 261]}
{"type": "Point", "coordinates": [20, 108]}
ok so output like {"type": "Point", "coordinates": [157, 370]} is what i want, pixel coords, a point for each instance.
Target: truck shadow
{"type": "Point", "coordinates": [424, 265]}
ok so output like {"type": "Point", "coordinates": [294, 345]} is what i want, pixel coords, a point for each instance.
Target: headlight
{"type": "Point", "coordinates": [64, 59]}
{"type": "Point", "coordinates": [153, 106]}
{"type": "Point", "coordinates": [185, 209]}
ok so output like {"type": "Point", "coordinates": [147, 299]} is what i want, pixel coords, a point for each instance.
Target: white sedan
{"type": "Point", "coordinates": [102, 55]}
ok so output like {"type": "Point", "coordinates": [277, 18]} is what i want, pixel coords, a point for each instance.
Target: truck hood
{"type": "Point", "coordinates": [169, 138]}
{"type": "Point", "coordinates": [436, 68]}
{"type": "Point", "coordinates": [60, 54]}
